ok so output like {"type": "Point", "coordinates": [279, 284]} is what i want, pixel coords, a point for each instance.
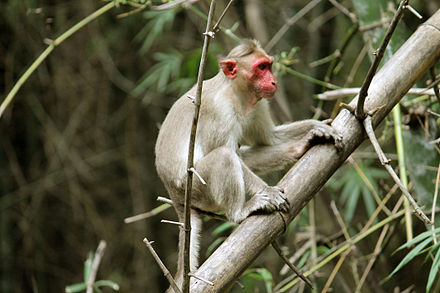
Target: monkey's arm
{"type": "Point", "coordinates": [290, 142]}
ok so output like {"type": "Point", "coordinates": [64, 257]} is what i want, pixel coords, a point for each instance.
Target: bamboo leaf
{"type": "Point", "coordinates": [76, 288]}
{"type": "Point", "coordinates": [107, 283]}
{"type": "Point", "coordinates": [417, 239]}
{"type": "Point", "coordinates": [413, 253]}
{"type": "Point", "coordinates": [433, 272]}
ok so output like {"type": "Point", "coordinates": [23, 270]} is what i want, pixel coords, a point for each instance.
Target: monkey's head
{"type": "Point", "coordinates": [250, 68]}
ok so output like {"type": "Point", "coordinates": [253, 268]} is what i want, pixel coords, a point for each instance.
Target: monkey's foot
{"type": "Point", "coordinates": [323, 131]}
{"type": "Point", "coordinates": [270, 200]}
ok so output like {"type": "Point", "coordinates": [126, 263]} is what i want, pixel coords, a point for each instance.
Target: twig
{"type": "Point", "coordinates": [151, 213]}
{"type": "Point", "coordinates": [164, 200]}
{"type": "Point", "coordinates": [349, 92]}
{"type": "Point", "coordinates": [368, 184]}
{"type": "Point", "coordinates": [190, 162]}
{"type": "Point", "coordinates": [201, 279]}
{"type": "Point", "coordinates": [377, 249]}
{"type": "Point", "coordinates": [205, 213]}
{"type": "Point", "coordinates": [344, 10]}
{"type": "Point", "coordinates": [193, 170]}
{"type": "Point", "coordinates": [360, 114]}
{"type": "Point", "coordinates": [165, 271]}
{"type": "Point", "coordinates": [435, 86]}
{"type": "Point", "coordinates": [54, 43]}
{"type": "Point", "coordinates": [385, 162]}
{"type": "Point", "coordinates": [344, 246]}
{"type": "Point", "coordinates": [96, 260]}
{"type": "Point", "coordinates": [286, 260]}
{"type": "Point", "coordinates": [335, 270]}
{"type": "Point", "coordinates": [397, 119]}
{"type": "Point", "coordinates": [434, 202]}
{"type": "Point", "coordinates": [289, 23]}
{"type": "Point", "coordinates": [380, 207]}
{"type": "Point", "coordinates": [340, 220]}
{"type": "Point", "coordinates": [173, 223]}
{"type": "Point", "coordinates": [216, 27]}
{"type": "Point", "coordinates": [49, 50]}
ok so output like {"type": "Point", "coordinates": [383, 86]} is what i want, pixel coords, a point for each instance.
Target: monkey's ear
{"type": "Point", "coordinates": [229, 68]}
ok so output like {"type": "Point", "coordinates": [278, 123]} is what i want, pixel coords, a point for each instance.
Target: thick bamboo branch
{"type": "Point", "coordinates": [311, 172]}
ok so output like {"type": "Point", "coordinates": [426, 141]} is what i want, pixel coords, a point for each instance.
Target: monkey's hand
{"type": "Point", "coordinates": [269, 200]}
{"type": "Point", "coordinates": [322, 130]}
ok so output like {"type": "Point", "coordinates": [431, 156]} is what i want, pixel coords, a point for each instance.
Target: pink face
{"type": "Point", "coordinates": [262, 77]}
{"type": "Point", "coordinates": [259, 75]}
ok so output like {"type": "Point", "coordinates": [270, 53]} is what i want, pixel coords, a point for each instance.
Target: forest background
{"type": "Point", "coordinates": [77, 143]}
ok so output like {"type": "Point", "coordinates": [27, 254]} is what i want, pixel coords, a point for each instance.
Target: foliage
{"type": "Point", "coordinates": [77, 150]}
{"type": "Point", "coordinates": [426, 242]}
{"type": "Point", "coordinates": [96, 285]}
{"type": "Point", "coordinates": [354, 185]}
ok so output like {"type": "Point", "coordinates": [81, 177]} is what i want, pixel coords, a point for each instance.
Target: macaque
{"type": "Point", "coordinates": [236, 138]}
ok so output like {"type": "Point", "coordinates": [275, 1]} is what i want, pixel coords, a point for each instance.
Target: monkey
{"type": "Point", "coordinates": [236, 139]}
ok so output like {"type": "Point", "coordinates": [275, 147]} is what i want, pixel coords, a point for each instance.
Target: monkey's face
{"type": "Point", "coordinates": [263, 81]}
{"type": "Point", "coordinates": [252, 74]}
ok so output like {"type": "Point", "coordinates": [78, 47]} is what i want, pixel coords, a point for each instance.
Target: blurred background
{"type": "Point", "coordinates": [77, 143]}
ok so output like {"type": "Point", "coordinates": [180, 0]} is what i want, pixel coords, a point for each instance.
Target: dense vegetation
{"type": "Point", "coordinates": [77, 143]}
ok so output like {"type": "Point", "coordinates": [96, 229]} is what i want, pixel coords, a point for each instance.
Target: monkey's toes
{"type": "Point", "coordinates": [338, 142]}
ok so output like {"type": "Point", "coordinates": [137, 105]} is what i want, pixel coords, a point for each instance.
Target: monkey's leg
{"type": "Point", "coordinates": [228, 180]}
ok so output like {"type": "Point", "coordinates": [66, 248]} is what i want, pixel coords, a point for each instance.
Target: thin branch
{"type": "Point", "coordinates": [173, 223]}
{"type": "Point", "coordinates": [201, 279]}
{"type": "Point", "coordinates": [54, 43]}
{"type": "Point", "coordinates": [49, 50]}
{"type": "Point", "coordinates": [190, 163]}
{"type": "Point", "coordinates": [340, 220]}
{"type": "Point", "coordinates": [216, 27]}
{"type": "Point", "coordinates": [294, 269]}
{"type": "Point", "coordinates": [336, 269]}
{"type": "Point", "coordinates": [275, 39]}
{"type": "Point", "coordinates": [344, 10]}
{"type": "Point", "coordinates": [385, 162]}
{"type": "Point", "coordinates": [345, 246]}
{"type": "Point", "coordinates": [377, 249]}
{"type": "Point", "coordinates": [164, 269]}
{"type": "Point", "coordinates": [434, 202]}
{"type": "Point", "coordinates": [96, 260]}
{"type": "Point", "coordinates": [149, 214]}
{"type": "Point", "coordinates": [360, 114]}
{"type": "Point", "coordinates": [435, 86]}
{"type": "Point", "coordinates": [349, 92]}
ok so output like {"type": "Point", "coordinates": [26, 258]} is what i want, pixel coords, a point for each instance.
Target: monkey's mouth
{"type": "Point", "coordinates": [268, 94]}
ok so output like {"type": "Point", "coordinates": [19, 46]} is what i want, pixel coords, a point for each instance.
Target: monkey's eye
{"type": "Point", "coordinates": [262, 66]}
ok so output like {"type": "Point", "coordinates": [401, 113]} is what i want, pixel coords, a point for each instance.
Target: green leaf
{"type": "Point", "coordinates": [420, 155]}
{"type": "Point", "coordinates": [160, 75]}
{"type": "Point", "coordinates": [264, 275]}
{"type": "Point", "coordinates": [413, 253]}
{"type": "Point", "coordinates": [417, 239]}
{"type": "Point", "coordinates": [223, 227]}
{"type": "Point", "coordinates": [107, 283]}
{"type": "Point", "coordinates": [158, 22]}
{"type": "Point", "coordinates": [88, 267]}
{"type": "Point", "coordinates": [214, 245]}
{"type": "Point", "coordinates": [76, 288]}
{"type": "Point", "coordinates": [433, 272]}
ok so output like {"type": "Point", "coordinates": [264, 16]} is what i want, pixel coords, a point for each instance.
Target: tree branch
{"type": "Point", "coordinates": [312, 171]}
